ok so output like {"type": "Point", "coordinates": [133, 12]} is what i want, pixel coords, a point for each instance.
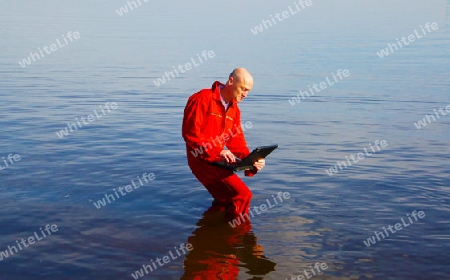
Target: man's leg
{"type": "Point", "coordinates": [240, 201]}
{"type": "Point", "coordinates": [227, 189]}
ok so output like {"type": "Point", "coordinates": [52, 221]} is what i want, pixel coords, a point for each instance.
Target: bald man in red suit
{"type": "Point", "coordinates": [212, 132]}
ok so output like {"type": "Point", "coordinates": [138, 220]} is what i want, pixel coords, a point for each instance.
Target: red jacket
{"type": "Point", "coordinates": [208, 128]}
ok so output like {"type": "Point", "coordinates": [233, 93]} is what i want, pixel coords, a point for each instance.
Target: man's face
{"type": "Point", "coordinates": [240, 88]}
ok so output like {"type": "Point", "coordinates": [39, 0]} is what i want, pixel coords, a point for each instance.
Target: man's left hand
{"type": "Point", "coordinates": [259, 164]}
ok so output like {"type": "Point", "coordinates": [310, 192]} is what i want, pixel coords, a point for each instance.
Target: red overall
{"type": "Point", "coordinates": [207, 129]}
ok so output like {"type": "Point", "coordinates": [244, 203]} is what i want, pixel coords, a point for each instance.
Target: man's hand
{"type": "Point", "coordinates": [259, 164]}
{"type": "Point", "coordinates": [227, 156]}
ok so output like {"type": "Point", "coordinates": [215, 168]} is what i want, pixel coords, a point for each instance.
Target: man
{"type": "Point", "coordinates": [211, 123]}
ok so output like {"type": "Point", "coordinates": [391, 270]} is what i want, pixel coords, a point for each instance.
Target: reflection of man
{"type": "Point", "coordinates": [219, 251]}
{"type": "Point", "coordinates": [210, 113]}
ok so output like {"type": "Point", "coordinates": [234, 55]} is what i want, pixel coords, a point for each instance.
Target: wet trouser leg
{"type": "Point", "coordinates": [225, 187]}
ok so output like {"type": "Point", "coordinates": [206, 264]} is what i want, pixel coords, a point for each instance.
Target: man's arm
{"type": "Point", "coordinates": [193, 120]}
{"type": "Point", "coordinates": [238, 146]}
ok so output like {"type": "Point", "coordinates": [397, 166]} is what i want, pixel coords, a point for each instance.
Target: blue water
{"type": "Point", "coordinates": [327, 218]}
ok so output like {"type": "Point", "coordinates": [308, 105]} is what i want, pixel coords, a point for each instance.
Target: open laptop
{"type": "Point", "coordinates": [247, 163]}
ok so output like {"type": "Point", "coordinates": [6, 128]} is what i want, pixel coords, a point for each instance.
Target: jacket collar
{"type": "Point", "coordinates": [216, 92]}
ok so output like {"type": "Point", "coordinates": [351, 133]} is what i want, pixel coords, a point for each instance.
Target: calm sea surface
{"type": "Point", "coordinates": [327, 219]}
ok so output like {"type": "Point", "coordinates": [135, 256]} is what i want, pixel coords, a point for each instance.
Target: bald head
{"type": "Point", "coordinates": [241, 74]}
{"type": "Point", "coordinates": [239, 83]}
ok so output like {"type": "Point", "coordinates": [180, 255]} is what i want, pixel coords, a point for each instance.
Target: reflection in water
{"type": "Point", "coordinates": [219, 250]}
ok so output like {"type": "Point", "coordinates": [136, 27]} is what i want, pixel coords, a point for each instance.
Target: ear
{"type": "Point", "coordinates": [230, 81]}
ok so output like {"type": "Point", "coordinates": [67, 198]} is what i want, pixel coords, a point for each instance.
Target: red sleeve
{"type": "Point", "coordinates": [250, 173]}
{"type": "Point", "coordinates": [237, 144]}
{"type": "Point", "coordinates": [193, 120]}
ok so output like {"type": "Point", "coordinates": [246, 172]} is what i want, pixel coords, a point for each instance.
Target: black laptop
{"type": "Point", "coordinates": [247, 163]}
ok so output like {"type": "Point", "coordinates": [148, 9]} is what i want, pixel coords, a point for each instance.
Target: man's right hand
{"type": "Point", "coordinates": [227, 156]}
